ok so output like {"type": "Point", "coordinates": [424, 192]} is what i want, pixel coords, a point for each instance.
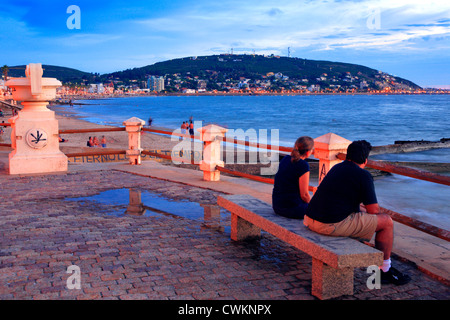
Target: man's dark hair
{"type": "Point", "coordinates": [358, 151]}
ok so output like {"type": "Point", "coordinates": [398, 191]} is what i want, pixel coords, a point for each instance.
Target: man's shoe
{"type": "Point", "coordinates": [394, 276]}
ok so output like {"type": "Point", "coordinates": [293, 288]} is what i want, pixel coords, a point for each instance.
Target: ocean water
{"type": "Point", "coordinates": [378, 119]}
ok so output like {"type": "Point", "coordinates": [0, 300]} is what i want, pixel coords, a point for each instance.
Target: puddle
{"type": "Point", "coordinates": [135, 202]}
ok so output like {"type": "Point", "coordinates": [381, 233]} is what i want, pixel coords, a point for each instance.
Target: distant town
{"type": "Point", "coordinates": [274, 83]}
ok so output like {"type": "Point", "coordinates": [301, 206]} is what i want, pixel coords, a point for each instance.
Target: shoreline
{"type": "Point", "coordinates": [163, 144]}
{"type": "Point", "coordinates": [395, 147]}
{"type": "Point", "coordinates": [70, 119]}
{"type": "Point", "coordinates": [211, 94]}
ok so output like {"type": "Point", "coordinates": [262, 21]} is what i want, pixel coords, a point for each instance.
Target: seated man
{"type": "Point", "coordinates": [335, 208]}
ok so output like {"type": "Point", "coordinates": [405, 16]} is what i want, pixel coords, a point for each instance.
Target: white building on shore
{"type": "Point", "coordinates": [96, 88]}
{"type": "Point", "coordinates": [155, 83]}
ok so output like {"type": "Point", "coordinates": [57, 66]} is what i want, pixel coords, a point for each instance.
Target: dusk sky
{"type": "Point", "coordinates": [409, 39]}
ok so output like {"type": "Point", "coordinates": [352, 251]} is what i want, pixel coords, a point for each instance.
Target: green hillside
{"type": "Point", "coordinates": [222, 71]}
{"type": "Point", "coordinates": [218, 68]}
{"type": "Point", "coordinates": [63, 74]}
{"type": "Point", "coordinates": [243, 65]}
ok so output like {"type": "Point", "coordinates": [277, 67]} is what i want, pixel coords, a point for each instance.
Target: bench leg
{"type": "Point", "coordinates": [328, 282]}
{"type": "Point", "coordinates": [242, 229]}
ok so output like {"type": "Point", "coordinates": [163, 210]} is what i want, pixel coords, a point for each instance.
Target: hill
{"type": "Point", "coordinates": [63, 74]}
{"type": "Point", "coordinates": [283, 71]}
{"type": "Point", "coordinates": [226, 71]}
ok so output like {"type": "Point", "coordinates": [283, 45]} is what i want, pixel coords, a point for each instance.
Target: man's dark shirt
{"type": "Point", "coordinates": [340, 193]}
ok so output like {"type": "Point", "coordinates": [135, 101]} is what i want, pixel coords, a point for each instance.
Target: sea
{"type": "Point", "coordinates": [379, 119]}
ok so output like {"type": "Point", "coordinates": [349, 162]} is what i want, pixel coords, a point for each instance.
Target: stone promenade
{"type": "Point", "coordinates": [152, 256]}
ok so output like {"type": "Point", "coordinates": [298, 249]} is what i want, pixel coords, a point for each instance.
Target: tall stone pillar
{"type": "Point", "coordinates": [35, 132]}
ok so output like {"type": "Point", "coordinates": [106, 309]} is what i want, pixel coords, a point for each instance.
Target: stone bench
{"type": "Point", "coordinates": [333, 258]}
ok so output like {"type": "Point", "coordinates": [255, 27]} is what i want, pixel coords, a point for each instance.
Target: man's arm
{"type": "Point", "coordinates": [372, 208]}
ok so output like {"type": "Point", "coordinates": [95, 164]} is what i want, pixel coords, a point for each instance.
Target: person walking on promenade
{"type": "Point", "coordinates": [335, 209]}
{"type": "Point", "coordinates": [290, 195]}
{"type": "Point", "coordinates": [150, 120]}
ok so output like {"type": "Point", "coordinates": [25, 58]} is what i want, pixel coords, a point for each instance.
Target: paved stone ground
{"type": "Point", "coordinates": [156, 256]}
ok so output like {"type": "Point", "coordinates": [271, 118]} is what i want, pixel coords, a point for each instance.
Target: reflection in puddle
{"type": "Point", "coordinates": [135, 202]}
{"type": "Point", "coordinates": [145, 203]}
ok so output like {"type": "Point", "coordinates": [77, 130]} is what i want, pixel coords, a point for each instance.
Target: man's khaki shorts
{"type": "Point", "coordinates": [359, 225]}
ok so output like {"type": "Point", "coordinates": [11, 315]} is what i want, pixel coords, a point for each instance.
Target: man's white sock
{"type": "Point", "coordinates": [386, 265]}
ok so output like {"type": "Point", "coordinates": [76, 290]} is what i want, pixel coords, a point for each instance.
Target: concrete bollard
{"type": "Point", "coordinates": [211, 151]}
{"type": "Point", "coordinates": [134, 127]}
{"type": "Point", "coordinates": [326, 149]}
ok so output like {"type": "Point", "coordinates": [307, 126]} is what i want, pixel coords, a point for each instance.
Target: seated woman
{"type": "Point", "coordinates": [290, 195]}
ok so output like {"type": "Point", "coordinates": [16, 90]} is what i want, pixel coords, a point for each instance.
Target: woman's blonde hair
{"type": "Point", "coordinates": [301, 147]}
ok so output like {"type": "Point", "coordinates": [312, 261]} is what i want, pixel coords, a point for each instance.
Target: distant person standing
{"type": "Point", "coordinates": [150, 120]}
{"type": "Point", "coordinates": [183, 130]}
{"type": "Point", "coordinates": [191, 128]}
{"type": "Point", "coordinates": [103, 142]}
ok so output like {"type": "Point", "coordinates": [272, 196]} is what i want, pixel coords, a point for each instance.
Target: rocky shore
{"type": "Point", "coordinates": [411, 146]}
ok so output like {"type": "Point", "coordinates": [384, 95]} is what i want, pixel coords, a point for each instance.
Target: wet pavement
{"type": "Point", "coordinates": [154, 239]}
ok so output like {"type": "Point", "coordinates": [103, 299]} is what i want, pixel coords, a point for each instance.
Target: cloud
{"type": "Point", "coordinates": [274, 12]}
{"type": "Point", "coordinates": [302, 24]}
{"type": "Point", "coordinates": [119, 33]}
{"type": "Point", "coordinates": [85, 40]}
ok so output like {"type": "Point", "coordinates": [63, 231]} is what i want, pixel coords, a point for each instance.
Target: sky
{"type": "Point", "coordinates": [409, 39]}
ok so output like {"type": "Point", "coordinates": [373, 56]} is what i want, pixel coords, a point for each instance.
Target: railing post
{"type": "Point", "coordinates": [326, 149]}
{"type": "Point", "coordinates": [211, 151]}
{"type": "Point", "coordinates": [134, 127]}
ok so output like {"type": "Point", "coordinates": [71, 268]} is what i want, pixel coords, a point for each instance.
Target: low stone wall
{"type": "Point", "coordinates": [410, 146]}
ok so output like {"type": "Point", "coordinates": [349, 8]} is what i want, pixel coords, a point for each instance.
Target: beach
{"type": "Point", "coordinates": [115, 140]}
